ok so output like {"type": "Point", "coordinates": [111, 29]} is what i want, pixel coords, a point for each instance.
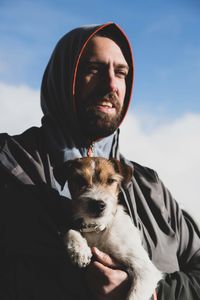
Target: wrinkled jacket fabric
{"type": "Point", "coordinates": [34, 217]}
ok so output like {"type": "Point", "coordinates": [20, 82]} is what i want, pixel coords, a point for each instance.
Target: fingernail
{"type": "Point", "coordinates": [96, 251]}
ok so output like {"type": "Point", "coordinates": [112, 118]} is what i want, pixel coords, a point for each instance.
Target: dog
{"type": "Point", "coordinates": [99, 220]}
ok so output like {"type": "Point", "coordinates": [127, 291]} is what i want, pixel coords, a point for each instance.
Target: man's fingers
{"type": "Point", "coordinates": [104, 278]}
{"type": "Point", "coordinates": [104, 258]}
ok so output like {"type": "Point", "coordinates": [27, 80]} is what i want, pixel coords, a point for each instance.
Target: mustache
{"type": "Point", "coordinates": [111, 97]}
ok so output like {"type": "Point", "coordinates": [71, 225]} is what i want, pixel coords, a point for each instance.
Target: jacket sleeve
{"type": "Point", "coordinates": [185, 283]}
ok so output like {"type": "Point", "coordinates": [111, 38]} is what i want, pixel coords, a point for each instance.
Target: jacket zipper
{"type": "Point", "coordinates": [90, 150]}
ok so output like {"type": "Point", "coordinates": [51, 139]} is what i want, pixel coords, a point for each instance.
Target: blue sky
{"type": "Point", "coordinates": [162, 129]}
{"type": "Point", "coordinates": [165, 36]}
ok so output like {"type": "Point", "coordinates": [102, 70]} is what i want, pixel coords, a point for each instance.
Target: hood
{"type": "Point", "coordinates": [60, 121]}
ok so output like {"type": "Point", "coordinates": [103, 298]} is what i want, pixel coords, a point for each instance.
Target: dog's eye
{"type": "Point", "coordinates": [80, 181]}
{"type": "Point", "coordinates": [111, 181]}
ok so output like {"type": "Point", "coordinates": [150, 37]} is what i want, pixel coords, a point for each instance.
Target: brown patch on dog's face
{"type": "Point", "coordinates": [123, 169]}
{"type": "Point", "coordinates": [86, 172]}
{"type": "Point", "coordinates": [94, 186]}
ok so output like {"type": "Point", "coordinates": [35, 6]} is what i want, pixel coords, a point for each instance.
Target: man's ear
{"type": "Point", "coordinates": [62, 172]}
{"type": "Point", "coordinates": [123, 169]}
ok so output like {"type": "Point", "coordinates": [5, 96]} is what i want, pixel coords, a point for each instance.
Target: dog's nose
{"type": "Point", "coordinates": [96, 206]}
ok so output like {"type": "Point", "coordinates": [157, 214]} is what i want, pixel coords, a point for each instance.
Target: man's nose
{"type": "Point", "coordinates": [111, 82]}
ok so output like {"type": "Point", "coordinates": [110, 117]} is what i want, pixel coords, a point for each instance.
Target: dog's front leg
{"type": "Point", "coordinates": [77, 248]}
{"type": "Point", "coordinates": [145, 276]}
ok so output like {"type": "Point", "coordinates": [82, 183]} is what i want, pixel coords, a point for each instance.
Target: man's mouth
{"type": "Point", "coordinates": [106, 106]}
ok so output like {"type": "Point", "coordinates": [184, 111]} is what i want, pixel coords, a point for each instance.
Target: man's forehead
{"type": "Point", "coordinates": [96, 49]}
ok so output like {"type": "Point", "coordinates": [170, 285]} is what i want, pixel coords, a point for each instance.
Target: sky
{"type": "Point", "coordinates": [162, 128]}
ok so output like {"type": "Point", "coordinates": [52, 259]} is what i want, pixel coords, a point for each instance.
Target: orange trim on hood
{"type": "Point", "coordinates": [79, 57]}
{"type": "Point", "coordinates": [81, 52]}
{"type": "Point", "coordinates": [131, 89]}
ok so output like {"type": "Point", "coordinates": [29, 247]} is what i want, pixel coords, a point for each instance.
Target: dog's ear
{"type": "Point", "coordinates": [62, 172]}
{"type": "Point", "coordinates": [123, 169]}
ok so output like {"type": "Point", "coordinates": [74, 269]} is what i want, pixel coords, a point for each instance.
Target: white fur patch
{"type": "Point", "coordinates": [93, 165]}
{"type": "Point", "coordinates": [120, 237]}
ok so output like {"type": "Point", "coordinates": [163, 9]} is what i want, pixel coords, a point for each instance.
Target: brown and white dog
{"type": "Point", "coordinates": [100, 221]}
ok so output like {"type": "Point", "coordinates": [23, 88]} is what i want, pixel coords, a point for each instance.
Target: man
{"type": "Point", "coordinates": [85, 94]}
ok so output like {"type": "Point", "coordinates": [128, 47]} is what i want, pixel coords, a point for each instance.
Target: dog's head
{"type": "Point", "coordinates": [94, 186]}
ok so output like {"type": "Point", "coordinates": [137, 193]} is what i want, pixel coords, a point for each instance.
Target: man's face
{"type": "Point", "coordinates": [101, 87]}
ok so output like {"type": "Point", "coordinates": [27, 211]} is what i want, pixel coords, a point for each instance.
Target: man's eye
{"type": "Point", "coordinates": [92, 70]}
{"type": "Point", "coordinates": [121, 73]}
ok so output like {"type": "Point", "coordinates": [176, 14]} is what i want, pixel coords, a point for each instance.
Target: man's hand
{"type": "Point", "coordinates": [104, 279]}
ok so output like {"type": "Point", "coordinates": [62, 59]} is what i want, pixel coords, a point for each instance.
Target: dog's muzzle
{"type": "Point", "coordinates": [81, 226]}
{"type": "Point", "coordinates": [95, 207]}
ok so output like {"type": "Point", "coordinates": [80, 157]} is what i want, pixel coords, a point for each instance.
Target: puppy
{"type": "Point", "coordinates": [99, 220]}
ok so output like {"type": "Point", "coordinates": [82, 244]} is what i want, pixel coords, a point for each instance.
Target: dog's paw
{"type": "Point", "coordinates": [77, 249]}
{"type": "Point", "coordinates": [80, 256]}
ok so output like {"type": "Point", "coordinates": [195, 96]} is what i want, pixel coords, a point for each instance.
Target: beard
{"type": "Point", "coordinates": [95, 123]}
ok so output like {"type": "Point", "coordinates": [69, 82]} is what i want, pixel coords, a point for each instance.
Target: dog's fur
{"type": "Point", "coordinates": [100, 221]}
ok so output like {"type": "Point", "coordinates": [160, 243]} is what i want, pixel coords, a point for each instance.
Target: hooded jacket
{"type": "Point", "coordinates": [34, 216]}
{"type": "Point", "coordinates": [61, 125]}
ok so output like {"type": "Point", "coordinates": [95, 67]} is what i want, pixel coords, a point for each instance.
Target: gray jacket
{"type": "Point", "coordinates": [33, 217]}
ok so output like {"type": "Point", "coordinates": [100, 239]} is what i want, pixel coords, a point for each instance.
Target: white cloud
{"type": "Point", "coordinates": [20, 108]}
{"type": "Point", "coordinates": [172, 148]}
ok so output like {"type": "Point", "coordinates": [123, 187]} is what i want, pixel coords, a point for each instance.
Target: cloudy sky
{"type": "Point", "coordinates": [162, 129]}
